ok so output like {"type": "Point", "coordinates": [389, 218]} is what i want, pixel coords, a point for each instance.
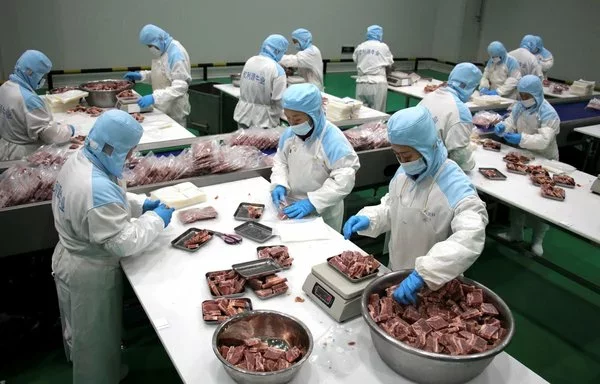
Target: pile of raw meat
{"type": "Point", "coordinates": [50, 154]}
{"type": "Point", "coordinates": [431, 87]}
{"type": "Point", "coordinates": [537, 170]}
{"type": "Point", "coordinates": [279, 253]}
{"type": "Point", "coordinates": [559, 88]}
{"type": "Point", "coordinates": [220, 310]}
{"type": "Point", "coordinates": [256, 356]}
{"type": "Point", "coordinates": [565, 180]}
{"type": "Point", "coordinates": [258, 138]}
{"type": "Point", "coordinates": [268, 286]}
{"type": "Point", "coordinates": [197, 214]}
{"type": "Point", "coordinates": [92, 111]}
{"type": "Point", "coordinates": [138, 117]}
{"type": "Point", "coordinates": [455, 320]}
{"type": "Point", "coordinates": [368, 136]}
{"type": "Point", "coordinates": [540, 179]}
{"type": "Point", "coordinates": [354, 264]}
{"type": "Point", "coordinates": [126, 94]}
{"type": "Point", "coordinates": [492, 145]}
{"type": "Point", "coordinates": [490, 173]}
{"type": "Point", "coordinates": [552, 192]}
{"type": "Point", "coordinates": [58, 90]}
{"type": "Point", "coordinates": [224, 283]}
{"type": "Point", "coordinates": [112, 85]}
{"type": "Point", "coordinates": [519, 168]}
{"type": "Point", "coordinates": [253, 211]}
{"type": "Point", "coordinates": [486, 119]}
{"type": "Point", "coordinates": [516, 157]}
{"type": "Point", "coordinates": [198, 239]}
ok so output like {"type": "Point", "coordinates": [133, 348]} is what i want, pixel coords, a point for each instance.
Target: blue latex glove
{"type": "Point", "coordinates": [150, 205]}
{"type": "Point", "coordinates": [492, 93]}
{"type": "Point", "coordinates": [355, 224]}
{"type": "Point", "coordinates": [165, 213]}
{"type": "Point", "coordinates": [133, 76]}
{"type": "Point", "coordinates": [72, 129]}
{"type": "Point", "coordinates": [500, 128]}
{"type": "Point", "coordinates": [278, 194]}
{"type": "Point", "coordinates": [483, 91]}
{"type": "Point", "coordinates": [513, 138]}
{"type": "Point", "coordinates": [299, 209]}
{"type": "Point", "coordinates": [406, 293]}
{"type": "Point", "coordinates": [146, 101]}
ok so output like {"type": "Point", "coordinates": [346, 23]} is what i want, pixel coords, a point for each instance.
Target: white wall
{"type": "Point", "coordinates": [570, 30]}
{"type": "Point", "coordinates": [91, 34]}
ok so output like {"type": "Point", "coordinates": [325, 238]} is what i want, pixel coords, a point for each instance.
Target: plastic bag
{"type": "Point", "coordinates": [486, 119]}
{"type": "Point", "coordinates": [230, 159]}
{"type": "Point", "coordinates": [50, 154]}
{"type": "Point", "coordinates": [336, 350]}
{"type": "Point", "coordinates": [258, 138]}
{"type": "Point", "coordinates": [368, 136]}
{"type": "Point", "coordinates": [156, 169]}
{"type": "Point", "coordinates": [22, 184]}
{"type": "Point", "coordinates": [202, 153]}
{"type": "Point", "coordinates": [594, 104]}
{"type": "Point", "coordinates": [197, 214]}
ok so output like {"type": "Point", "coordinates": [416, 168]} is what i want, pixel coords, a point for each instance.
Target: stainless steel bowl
{"type": "Point", "coordinates": [235, 79]}
{"type": "Point", "coordinates": [272, 326]}
{"type": "Point", "coordinates": [103, 99]}
{"type": "Point", "coordinates": [428, 367]}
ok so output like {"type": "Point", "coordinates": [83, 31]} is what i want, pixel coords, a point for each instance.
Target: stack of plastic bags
{"type": "Point", "coordinates": [368, 136]}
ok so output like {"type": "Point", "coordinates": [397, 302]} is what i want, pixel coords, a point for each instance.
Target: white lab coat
{"type": "Point", "coordinates": [371, 58]}
{"type": "Point", "coordinates": [437, 225]}
{"type": "Point", "coordinates": [322, 169]}
{"type": "Point", "coordinates": [92, 216]}
{"type": "Point", "coordinates": [309, 63]}
{"type": "Point", "coordinates": [261, 89]}
{"type": "Point", "coordinates": [170, 76]}
{"type": "Point", "coordinates": [546, 60]}
{"type": "Point", "coordinates": [454, 124]}
{"type": "Point", "coordinates": [502, 77]}
{"type": "Point", "coordinates": [26, 123]}
{"type": "Point", "coordinates": [538, 129]}
{"type": "Point", "coordinates": [528, 62]}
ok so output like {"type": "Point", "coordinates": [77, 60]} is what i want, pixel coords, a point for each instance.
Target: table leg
{"type": "Point", "coordinates": [407, 102]}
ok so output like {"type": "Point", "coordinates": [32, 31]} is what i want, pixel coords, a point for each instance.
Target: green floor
{"type": "Point", "coordinates": [557, 321]}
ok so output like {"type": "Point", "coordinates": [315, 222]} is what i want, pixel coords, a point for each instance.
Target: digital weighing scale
{"type": "Point", "coordinates": [335, 294]}
{"type": "Point", "coordinates": [130, 105]}
{"type": "Point", "coordinates": [596, 185]}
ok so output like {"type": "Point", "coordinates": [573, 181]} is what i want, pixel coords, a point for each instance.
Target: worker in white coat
{"type": "Point", "coordinates": [452, 117]}
{"type": "Point", "coordinates": [527, 61]}
{"type": "Point", "coordinates": [26, 123]}
{"type": "Point", "coordinates": [170, 74]}
{"type": "Point", "coordinates": [93, 217]}
{"type": "Point", "coordinates": [502, 73]}
{"type": "Point", "coordinates": [314, 162]}
{"type": "Point", "coordinates": [533, 124]}
{"type": "Point", "coordinates": [308, 60]}
{"type": "Point", "coordinates": [262, 85]}
{"type": "Point", "coordinates": [543, 55]}
{"type": "Point", "coordinates": [436, 219]}
{"type": "Point", "coordinates": [372, 58]}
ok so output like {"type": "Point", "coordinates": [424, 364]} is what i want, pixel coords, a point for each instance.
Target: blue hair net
{"type": "Point", "coordinates": [464, 78]}
{"type": "Point", "coordinates": [304, 37]}
{"type": "Point", "coordinates": [32, 66]}
{"type": "Point", "coordinates": [414, 127]}
{"type": "Point", "coordinates": [496, 49]}
{"type": "Point", "coordinates": [153, 35]}
{"type": "Point", "coordinates": [274, 47]}
{"type": "Point", "coordinates": [539, 45]}
{"type": "Point", "coordinates": [114, 134]}
{"type": "Point", "coordinates": [306, 98]}
{"type": "Point", "coordinates": [375, 32]}
{"type": "Point", "coordinates": [529, 43]}
{"type": "Point", "coordinates": [533, 85]}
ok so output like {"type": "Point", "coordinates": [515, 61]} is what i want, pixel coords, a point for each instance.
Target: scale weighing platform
{"type": "Point", "coordinates": [129, 104]}
{"type": "Point", "coordinates": [336, 295]}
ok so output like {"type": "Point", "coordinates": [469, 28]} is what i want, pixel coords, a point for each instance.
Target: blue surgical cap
{"type": "Point", "coordinates": [496, 49]}
{"type": "Point", "coordinates": [529, 43]}
{"type": "Point", "coordinates": [464, 78]}
{"type": "Point", "coordinates": [533, 85]}
{"type": "Point", "coordinates": [153, 35]}
{"type": "Point", "coordinates": [114, 134]}
{"type": "Point", "coordinates": [274, 47]}
{"type": "Point", "coordinates": [375, 32]}
{"type": "Point", "coordinates": [304, 38]}
{"type": "Point", "coordinates": [306, 98]}
{"type": "Point", "coordinates": [32, 66]}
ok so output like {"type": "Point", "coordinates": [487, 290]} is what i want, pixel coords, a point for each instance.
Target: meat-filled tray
{"type": "Point", "coordinates": [553, 193]}
{"type": "Point", "coordinates": [541, 179]}
{"type": "Point", "coordinates": [518, 168]}
{"type": "Point", "coordinates": [516, 157]}
{"type": "Point", "coordinates": [257, 268]}
{"type": "Point", "coordinates": [343, 264]}
{"type": "Point", "coordinates": [279, 253]}
{"type": "Point", "coordinates": [491, 145]}
{"type": "Point", "coordinates": [225, 284]}
{"type": "Point", "coordinates": [218, 310]}
{"type": "Point", "coordinates": [249, 212]}
{"type": "Point", "coordinates": [254, 231]}
{"type": "Point", "coordinates": [266, 287]}
{"type": "Point", "coordinates": [564, 181]}
{"type": "Point", "coordinates": [192, 239]}
{"type": "Point", "coordinates": [492, 174]}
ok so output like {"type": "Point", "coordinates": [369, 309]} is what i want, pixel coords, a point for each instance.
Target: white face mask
{"type": "Point", "coordinates": [297, 45]}
{"type": "Point", "coordinates": [528, 103]}
{"type": "Point", "coordinates": [155, 51]}
{"type": "Point", "coordinates": [414, 168]}
{"type": "Point", "coordinates": [496, 60]}
{"type": "Point", "coordinates": [301, 129]}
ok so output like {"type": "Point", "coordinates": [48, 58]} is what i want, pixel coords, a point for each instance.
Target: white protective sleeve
{"type": "Point", "coordinates": [136, 204]}
{"type": "Point", "coordinates": [547, 63]}
{"type": "Point", "coordinates": [146, 76]}
{"type": "Point", "coordinates": [449, 258]}
{"type": "Point", "coordinates": [510, 84]}
{"type": "Point", "coordinates": [290, 61]}
{"type": "Point", "coordinates": [379, 218]}
{"type": "Point", "coordinates": [339, 184]}
{"type": "Point", "coordinates": [41, 124]}
{"type": "Point", "coordinates": [279, 87]}
{"type": "Point", "coordinates": [109, 226]}
{"type": "Point", "coordinates": [485, 82]}
{"type": "Point", "coordinates": [180, 79]}
{"type": "Point", "coordinates": [279, 171]}
{"type": "Point", "coordinates": [458, 143]}
{"type": "Point", "coordinates": [542, 139]}
{"type": "Point", "coordinates": [509, 124]}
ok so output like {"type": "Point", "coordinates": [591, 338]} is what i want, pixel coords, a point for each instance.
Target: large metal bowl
{"type": "Point", "coordinates": [104, 99]}
{"type": "Point", "coordinates": [272, 326]}
{"type": "Point", "coordinates": [428, 367]}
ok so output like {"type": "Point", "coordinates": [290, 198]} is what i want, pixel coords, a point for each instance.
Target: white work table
{"type": "Point", "coordinates": [365, 114]}
{"type": "Point", "coordinates": [417, 91]}
{"type": "Point", "coordinates": [590, 130]}
{"type": "Point", "coordinates": [573, 214]}
{"type": "Point", "coordinates": [565, 94]}
{"type": "Point", "coordinates": [171, 286]}
{"type": "Point", "coordinates": [160, 130]}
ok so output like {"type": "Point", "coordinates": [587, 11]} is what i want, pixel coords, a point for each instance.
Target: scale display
{"type": "Point", "coordinates": [322, 294]}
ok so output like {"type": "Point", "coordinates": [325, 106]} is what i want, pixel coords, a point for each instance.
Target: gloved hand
{"type": "Point", "coordinates": [500, 128]}
{"type": "Point", "coordinates": [278, 194]}
{"type": "Point", "coordinates": [406, 293]}
{"type": "Point", "coordinates": [483, 91]}
{"type": "Point", "coordinates": [299, 209]}
{"type": "Point", "coordinates": [355, 224]}
{"type": "Point", "coordinates": [513, 138]}
{"type": "Point", "coordinates": [133, 76]}
{"type": "Point", "coordinates": [150, 205]}
{"type": "Point", "coordinates": [165, 213]}
{"type": "Point", "coordinates": [146, 101]}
